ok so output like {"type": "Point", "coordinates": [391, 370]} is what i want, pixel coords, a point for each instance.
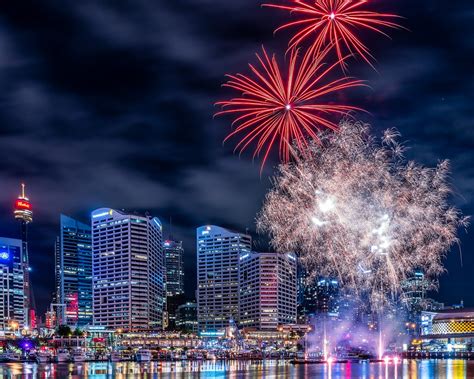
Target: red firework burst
{"type": "Point", "coordinates": [335, 22]}
{"type": "Point", "coordinates": [276, 109]}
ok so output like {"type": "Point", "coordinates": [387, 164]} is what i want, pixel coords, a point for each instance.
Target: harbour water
{"type": "Point", "coordinates": [413, 369]}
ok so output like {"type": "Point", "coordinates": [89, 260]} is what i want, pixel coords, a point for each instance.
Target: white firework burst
{"type": "Point", "coordinates": [355, 209]}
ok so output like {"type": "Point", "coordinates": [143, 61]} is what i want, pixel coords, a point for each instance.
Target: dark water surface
{"type": "Point", "coordinates": [240, 369]}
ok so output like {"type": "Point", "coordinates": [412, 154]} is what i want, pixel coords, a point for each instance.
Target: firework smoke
{"type": "Point", "coordinates": [355, 209]}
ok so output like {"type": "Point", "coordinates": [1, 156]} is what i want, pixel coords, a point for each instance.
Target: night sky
{"type": "Point", "coordinates": [110, 104]}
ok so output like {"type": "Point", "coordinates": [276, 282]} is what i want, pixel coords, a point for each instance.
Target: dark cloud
{"type": "Point", "coordinates": [110, 104]}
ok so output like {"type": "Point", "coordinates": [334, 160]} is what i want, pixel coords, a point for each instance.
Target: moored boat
{"type": "Point", "coordinates": [62, 355]}
{"type": "Point", "coordinates": [143, 355]}
{"type": "Point", "coordinates": [78, 355]}
{"type": "Point", "coordinates": [43, 356]}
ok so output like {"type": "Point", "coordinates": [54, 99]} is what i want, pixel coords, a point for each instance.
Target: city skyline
{"type": "Point", "coordinates": [80, 139]}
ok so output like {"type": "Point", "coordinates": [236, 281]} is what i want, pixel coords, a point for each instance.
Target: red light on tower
{"type": "Point", "coordinates": [23, 208]}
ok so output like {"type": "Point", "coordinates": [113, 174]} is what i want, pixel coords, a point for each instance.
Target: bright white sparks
{"type": "Point", "coordinates": [356, 210]}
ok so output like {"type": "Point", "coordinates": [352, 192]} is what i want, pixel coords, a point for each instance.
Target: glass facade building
{"type": "Point", "coordinates": [174, 267]}
{"type": "Point", "coordinates": [74, 272]}
{"type": "Point", "coordinates": [12, 302]}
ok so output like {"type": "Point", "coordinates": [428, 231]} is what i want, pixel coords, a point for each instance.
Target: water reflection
{"type": "Point", "coordinates": [452, 369]}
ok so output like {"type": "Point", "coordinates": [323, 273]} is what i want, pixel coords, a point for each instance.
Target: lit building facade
{"type": "Point", "coordinates": [327, 296]}
{"type": "Point", "coordinates": [174, 267]}
{"type": "Point", "coordinates": [186, 317]}
{"type": "Point", "coordinates": [74, 272]}
{"type": "Point", "coordinates": [128, 271]}
{"type": "Point", "coordinates": [12, 302]}
{"type": "Point", "coordinates": [317, 296]}
{"type": "Point", "coordinates": [414, 294]}
{"type": "Point", "coordinates": [268, 290]}
{"type": "Point", "coordinates": [448, 330]}
{"type": "Point", "coordinates": [218, 252]}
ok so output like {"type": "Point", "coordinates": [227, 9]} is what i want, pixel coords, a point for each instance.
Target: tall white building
{"type": "Point", "coordinates": [12, 278]}
{"type": "Point", "coordinates": [268, 290]}
{"type": "Point", "coordinates": [128, 270]}
{"type": "Point", "coordinates": [218, 252]}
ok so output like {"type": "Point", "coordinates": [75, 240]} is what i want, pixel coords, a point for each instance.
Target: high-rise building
{"type": "Point", "coordinates": [128, 270]}
{"type": "Point", "coordinates": [174, 267]}
{"type": "Point", "coordinates": [172, 304]}
{"type": "Point", "coordinates": [218, 252]}
{"type": "Point", "coordinates": [57, 271]}
{"type": "Point", "coordinates": [327, 296]}
{"type": "Point", "coordinates": [12, 302]}
{"type": "Point", "coordinates": [268, 290]}
{"type": "Point", "coordinates": [307, 295]}
{"type": "Point", "coordinates": [74, 272]}
{"type": "Point", "coordinates": [316, 296]}
{"type": "Point", "coordinates": [414, 291]}
{"type": "Point", "coordinates": [23, 212]}
{"type": "Point", "coordinates": [173, 251]}
{"type": "Point", "coordinates": [186, 317]}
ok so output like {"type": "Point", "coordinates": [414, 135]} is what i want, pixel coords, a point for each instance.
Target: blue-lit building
{"type": "Point", "coordinates": [129, 289]}
{"type": "Point", "coordinates": [74, 272]}
{"type": "Point", "coordinates": [12, 302]}
{"type": "Point", "coordinates": [174, 267]}
{"type": "Point", "coordinates": [316, 296]}
{"type": "Point", "coordinates": [218, 252]}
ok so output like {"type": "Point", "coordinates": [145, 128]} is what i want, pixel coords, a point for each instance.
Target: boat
{"type": "Point", "coordinates": [43, 356]}
{"type": "Point", "coordinates": [126, 355]}
{"type": "Point", "coordinates": [143, 355]}
{"type": "Point", "coordinates": [11, 356]}
{"type": "Point", "coordinates": [62, 355]}
{"type": "Point", "coordinates": [78, 355]}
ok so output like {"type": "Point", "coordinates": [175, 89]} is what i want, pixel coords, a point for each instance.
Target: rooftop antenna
{"type": "Point", "coordinates": [171, 228]}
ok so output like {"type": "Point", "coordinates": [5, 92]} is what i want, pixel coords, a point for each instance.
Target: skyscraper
{"type": "Point", "coordinates": [128, 270]}
{"type": "Point", "coordinates": [327, 296]}
{"type": "Point", "coordinates": [174, 267]}
{"type": "Point", "coordinates": [414, 297]}
{"type": "Point", "coordinates": [74, 258]}
{"type": "Point", "coordinates": [218, 252]}
{"type": "Point", "coordinates": [316, 296]}
{"type": "Point", "coordinates": [24, 214]}
{"type": "Point", "coordinates": [268, 290]}
{"type": "Point", "coordinates": [173, 251]}
{"type": "Point", "coordinates": [12, 297]}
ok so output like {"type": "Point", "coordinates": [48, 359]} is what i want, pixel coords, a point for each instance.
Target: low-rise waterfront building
{"type": "Point", "coordinates": [447, 330]}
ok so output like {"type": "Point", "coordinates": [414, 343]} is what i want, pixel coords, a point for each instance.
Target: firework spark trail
{"type": "Point", "coordinates": [336, 23]}
{"type": "Point", "coordinates": [356, 210]}
{"type": "Point", "coordinates": [278, 108]}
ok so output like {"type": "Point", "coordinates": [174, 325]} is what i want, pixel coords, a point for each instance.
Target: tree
{"type": "Point", "coordinates": [78, 333]}
{"type": "Point", "coordinates": [63, 331]}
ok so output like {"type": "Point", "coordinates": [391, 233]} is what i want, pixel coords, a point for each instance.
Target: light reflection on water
{"type": "Point", "coordinates": [450, 369]}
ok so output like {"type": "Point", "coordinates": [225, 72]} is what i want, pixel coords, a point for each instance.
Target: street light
{"type": "Point", "coordinates": [14, 325]}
